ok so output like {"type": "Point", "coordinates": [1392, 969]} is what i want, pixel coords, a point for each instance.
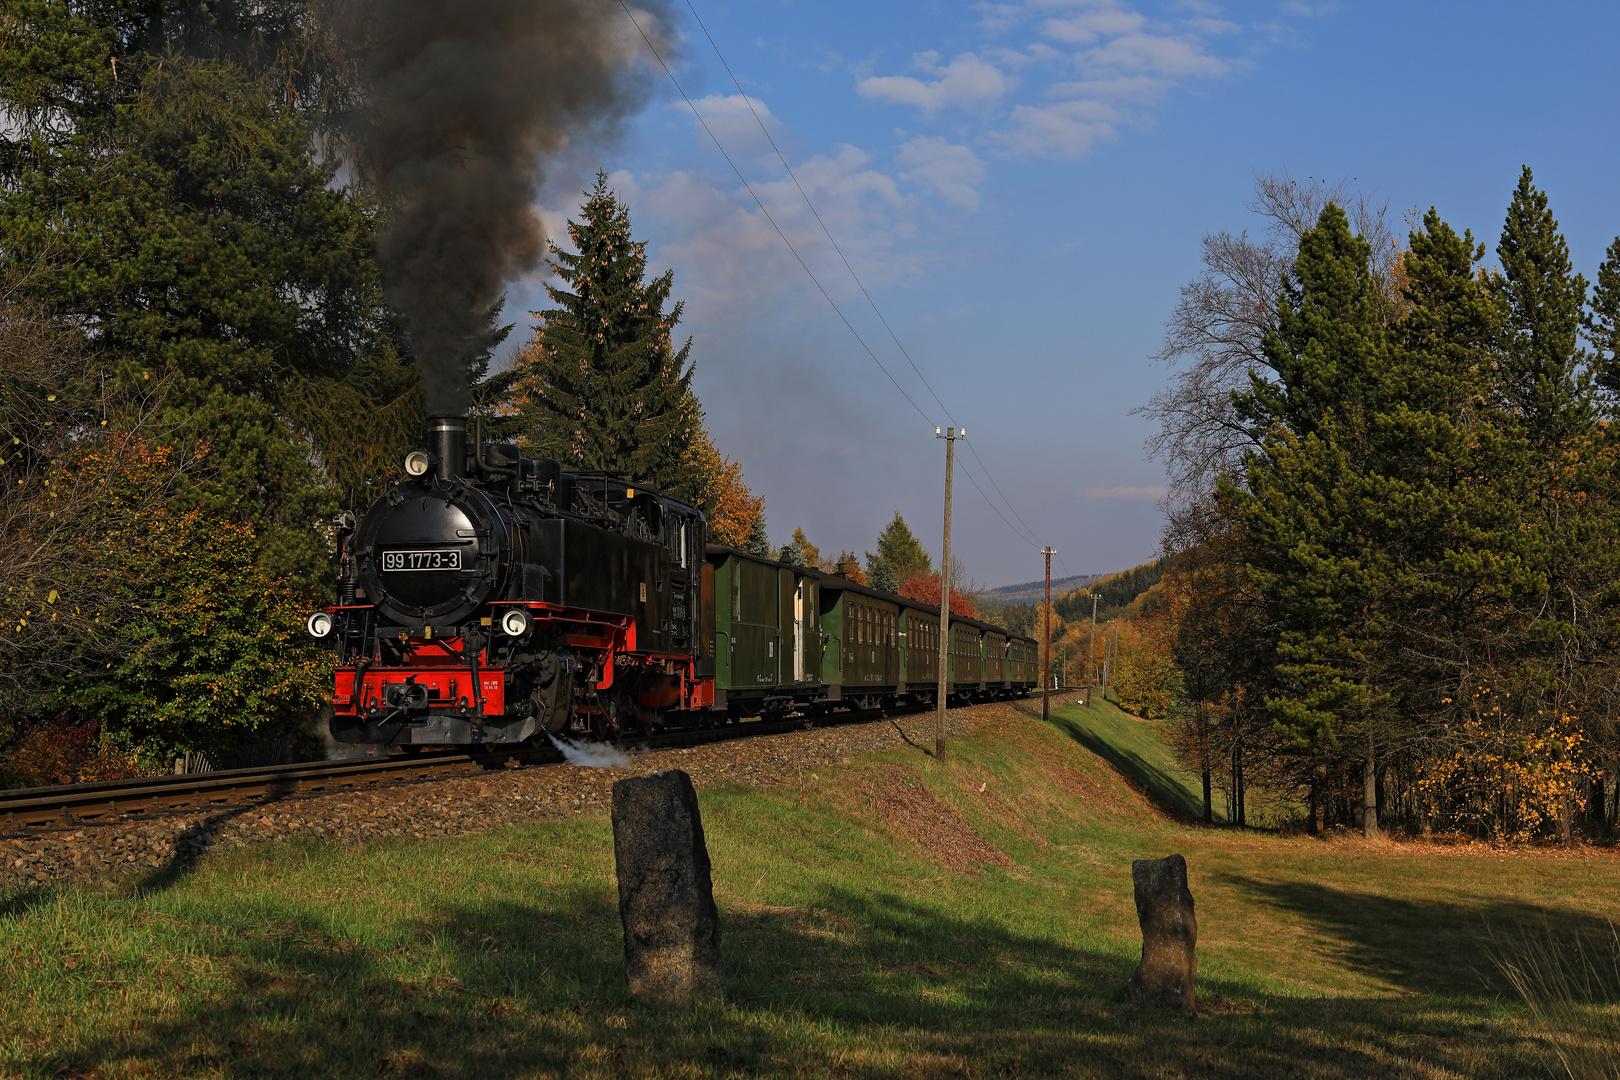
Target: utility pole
{"type": "Point", "coordinates": [1110, 655]}
{"type": "Point", "coordinates": [1091, 652]}
{"type": "Point", "coordinates": [1105, 664]}
{"type": "Point", "coordinates": [1046, 646]}
{"type": "Point", "coordinates": [950, 435]}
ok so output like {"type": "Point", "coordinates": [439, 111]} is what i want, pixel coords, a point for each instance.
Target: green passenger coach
{"type": "Point", "coordinates": [767, 647]}
{"type": "Point", "coordinates": [786, 638]}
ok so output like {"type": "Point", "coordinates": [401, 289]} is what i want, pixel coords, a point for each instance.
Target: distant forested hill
{"type": "Point", "coordinates": [1115, 592]}
{"type": "Point", "coordinates": [1030, 592]}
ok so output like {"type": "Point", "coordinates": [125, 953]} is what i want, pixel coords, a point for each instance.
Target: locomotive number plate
{"type": "Point", "coordinates": [421, 560]}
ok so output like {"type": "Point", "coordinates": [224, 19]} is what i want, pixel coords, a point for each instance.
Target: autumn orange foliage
{"type": "Point", "coordinates": [849, 565]}
{"type": "Point", "coordinates": [731, 507]}
{"type": "Point", "coordinates": [924, 588]}
{"type": "Point", "coordinates": [65, 754]}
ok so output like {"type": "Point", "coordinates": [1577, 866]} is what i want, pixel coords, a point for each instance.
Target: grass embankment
{"type": "Point", "coordinates": [903, 917]}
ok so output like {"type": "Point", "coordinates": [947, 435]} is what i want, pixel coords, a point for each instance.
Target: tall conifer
{"type": "Point", "coordinates": [899, 556]}
{"type": "Point", "coordinates": [1314, 500]}
{"type": "Point", "coordinates": [601, 385]}
{"type": "Point", "coordinates": [1602, 324]}
{"type": "Point", "coordinates": [1541, 377]}
{"type": "Point", "coordinates": [1330, 349]}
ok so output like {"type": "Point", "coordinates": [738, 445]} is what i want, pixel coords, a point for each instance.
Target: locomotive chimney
{"type": "Point", "coordinates": [447, 441]}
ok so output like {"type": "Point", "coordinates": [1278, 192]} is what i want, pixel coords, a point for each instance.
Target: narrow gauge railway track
{"type": "Point", "coordinates": [151, 796]}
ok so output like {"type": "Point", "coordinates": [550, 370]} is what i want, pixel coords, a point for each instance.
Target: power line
{"type": "Point", "coordinates": [805, 196]}
{"type": "Point", "coordinates": [967, 473]}
{"type": "Point", "coordinates": [1027, 533]}
{"type": "Point", "coordinates": [750, 188]}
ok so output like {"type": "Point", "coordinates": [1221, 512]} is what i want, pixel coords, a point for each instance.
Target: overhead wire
{"type": "Point", "coordinates": [750, 189]}
{"type": "Point", "coordinates": [969, 474]}
{"type": "Point", "coordinates": [1026, 533]}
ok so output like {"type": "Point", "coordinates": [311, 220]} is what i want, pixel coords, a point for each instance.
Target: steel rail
{"type": "Point", "coordinates": [98, 803]}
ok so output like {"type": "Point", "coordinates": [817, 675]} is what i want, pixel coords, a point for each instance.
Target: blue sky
{"type": "Point", "coordinates": [1022, 188]}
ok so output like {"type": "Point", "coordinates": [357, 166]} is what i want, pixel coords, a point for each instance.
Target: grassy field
{"type": "Point", "coordinates": [904, 917]}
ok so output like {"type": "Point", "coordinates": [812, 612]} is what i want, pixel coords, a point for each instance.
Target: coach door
{"type": "Point", "coordinates": [798, 631]}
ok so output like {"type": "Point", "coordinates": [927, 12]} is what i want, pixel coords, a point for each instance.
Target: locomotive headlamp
{"type": "Point", "coordinates": [516, 622]}
{"type": "Point", "coordinates": [320, 624]}
{"type": "Point", "coordinates": [417, 462]}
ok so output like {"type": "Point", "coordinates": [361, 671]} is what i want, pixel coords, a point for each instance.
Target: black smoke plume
{"type": "Point", "coordinates": [462, 104]}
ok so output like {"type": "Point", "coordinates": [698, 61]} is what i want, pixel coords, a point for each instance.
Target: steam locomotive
{"type": "Point", "coordinates": [492, 599]}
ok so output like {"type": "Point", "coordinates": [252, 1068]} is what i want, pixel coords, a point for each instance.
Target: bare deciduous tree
{"type": "Point", "coordinates": [1214, 335]}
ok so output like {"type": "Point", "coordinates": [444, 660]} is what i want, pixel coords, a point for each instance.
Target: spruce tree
{"type": "Point", "coordinates": [1602, 325]}
{"type": "Point", "coordinates": [1567, 487]}
{"type": "Point", "coordinates": [899, 557]}
{"type": "Point", "coordinates": [601, 385]}
{"type": "Point", "coordinates": [1330, 350]}
{"type": "Point", "coordinates": [1541, 378]}
{"type": "Point", "coordinates": [1311, 507]}
{"type": "Point", "coordinates": [759, 541]}
{"type": "Point", "coordinates": [1453, 479]}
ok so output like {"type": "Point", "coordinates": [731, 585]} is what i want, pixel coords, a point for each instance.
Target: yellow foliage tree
{"type": "Point", "coordinates": [731, 508]}
{"type": "Point", "coordinates": [1144, 678]}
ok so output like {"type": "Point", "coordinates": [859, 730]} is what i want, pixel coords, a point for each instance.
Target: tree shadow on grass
{"type": "Point", "coordinates": [1165, 790]}
{"type": "Point", "coordinates": [192, 843]}
{"type": "Point", "coordinates": [1438, 947]}
{"type": "Point", "coordinates": [20, 900]}
{"type": "Point", "coordinates": [856, 983]}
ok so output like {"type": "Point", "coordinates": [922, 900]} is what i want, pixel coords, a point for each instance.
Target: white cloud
{"type": "Point", "coordinates": [1097, 65]}
{"type": "Point", "coordinates": [950, 169]}
{"type": "Point", "coordinates": [1088, 27]}
{"type": "Point", "coordinates": [1061, 129]}
{"type": "Point", "coordinates": [729, 117]}
{"type": "Point", "coordinates": [1154, 53]}
{"type": "Point", "coordinates": [1310, 11]}
{"type": "Point", "coordinates": [966, 82]}
{"type": "Point", "coordinates": [730, 255]}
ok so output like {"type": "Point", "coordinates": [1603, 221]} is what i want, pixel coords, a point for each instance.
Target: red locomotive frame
{"type": "Point", "coordinates": [604, 644]}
